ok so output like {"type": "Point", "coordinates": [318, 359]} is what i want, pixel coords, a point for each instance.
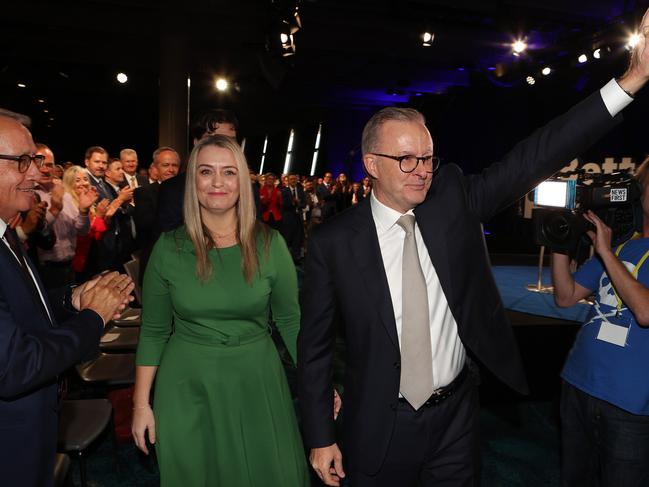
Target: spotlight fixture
{"type": "Point", "coordinates": [221, 84]}
{"type": "Point", "coordinates": [428, 38]}
{"type": "Point", "coordinates": [546, 71]}
{"type": "Point", "coordinates": [288, 44]}
{"type": "Point", "coordinates": [530, 80]}
{"type": "Point", "coordinates": [633, 40]}
{"type": "Point", "coordinates": [518, 47]}
{"type": "Point", "coordinates": [22, 85]}
{"type": "Point", "coordinates": [46, 110]}
{"type": "Point", "coordinates": [40, 100]}
{"type": "Point", "coordinates": [597, 53]}
{"type": "Point", "coordinates": [582, 58]}
{"type": "Point", "coordinates": [122, 78]}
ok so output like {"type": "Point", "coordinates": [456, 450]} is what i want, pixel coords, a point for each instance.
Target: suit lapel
{"type": "Point", "coordinates": [30, 287]}
{"type": "Point", "coordinates": [367, 255]}
{"type": "Point", "coordinates": [432, 225]}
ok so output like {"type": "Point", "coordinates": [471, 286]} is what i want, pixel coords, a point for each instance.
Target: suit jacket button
{"type": "Point", "coordinates": [397, 365]}
{"type": "Point", "coordinates": [393, 405]}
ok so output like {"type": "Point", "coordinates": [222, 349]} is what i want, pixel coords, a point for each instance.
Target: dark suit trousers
{"type": "Point", "coordinates": [435, 446]}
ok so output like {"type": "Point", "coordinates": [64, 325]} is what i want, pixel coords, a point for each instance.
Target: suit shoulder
{"type": "Point", "coordinates": [338, 224]}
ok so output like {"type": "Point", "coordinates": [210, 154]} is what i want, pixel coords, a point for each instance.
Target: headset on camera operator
{"type": "Point", "coordinates": [605, 390]}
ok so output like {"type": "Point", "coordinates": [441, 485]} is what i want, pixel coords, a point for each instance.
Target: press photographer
{"type": "Point", "coordinates": [605, 391]}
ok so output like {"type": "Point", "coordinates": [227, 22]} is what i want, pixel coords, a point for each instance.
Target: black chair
{"type": "Point", "coordinates": [109, 368]}
{"type": "Point", "coordinates": [80, 424]}
{"type": "Point", "coordinates": [131, 317]}
{"type": "Point", "coordinates": [116, 340]}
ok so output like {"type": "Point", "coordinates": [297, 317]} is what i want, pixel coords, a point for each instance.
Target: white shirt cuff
{"type": "Point", "coordinates": [615, 98]}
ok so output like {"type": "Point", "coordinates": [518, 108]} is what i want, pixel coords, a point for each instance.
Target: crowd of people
{"type": "Point", "coordinates": [402, 269]}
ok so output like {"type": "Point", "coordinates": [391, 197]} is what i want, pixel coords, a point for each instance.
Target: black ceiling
{"type": "Point", "coordinates": [348, 53]}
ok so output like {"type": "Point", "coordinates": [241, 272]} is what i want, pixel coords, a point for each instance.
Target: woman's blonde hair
{"type": "Point", "coordinates": [69, 179]}
{"type": "Point", "coordinates": [248, 229]}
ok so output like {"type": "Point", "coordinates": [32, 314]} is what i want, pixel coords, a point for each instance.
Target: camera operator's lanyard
{"type": "Point", "coordinates": [634, 273]}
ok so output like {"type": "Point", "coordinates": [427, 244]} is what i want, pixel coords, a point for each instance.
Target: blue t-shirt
{"type": "Point", "coordinates": [613, 373]}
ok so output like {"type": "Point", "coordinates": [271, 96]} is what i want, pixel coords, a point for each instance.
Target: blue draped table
{"type": "Point", "coordinates": [512, 283]}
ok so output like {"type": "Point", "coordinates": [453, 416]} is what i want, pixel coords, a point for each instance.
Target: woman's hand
{"type": "Point", "coordinates": [87, 198]}
{"type": "Point", "coordinates": [102, 208]}
{"type": "Point", "coordinates": [143, 421]}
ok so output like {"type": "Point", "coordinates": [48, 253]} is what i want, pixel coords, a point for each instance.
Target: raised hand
{"type": "Point", "coordinates": [102, 208]}
{"type": "Point", "coordinates": [126, 194]}
{"type": "Point", "coordinates": [56, 197]}
{"type": "Point", "coordinates": [35, 218]}
{"type": "Point", "coordinates": [638, 73]}
{"type": "Point", "coordinates": [87, 198]}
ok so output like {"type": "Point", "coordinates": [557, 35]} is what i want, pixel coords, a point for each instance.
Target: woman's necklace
{"type": "Point", "coordinates": [224, 235]}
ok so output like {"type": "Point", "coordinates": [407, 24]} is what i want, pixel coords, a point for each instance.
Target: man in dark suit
{"type": "Point", "coordinates": [96, 162]}
{"type": "Point", "coordinates": [117, 241]}
{"type": "Point", "coordinates": [167, 164]}
{"type": "Point", "coordinates": [406, 272]}
{"type": "Point", "coordinates": [292, 229]}
{"type": "Point", "coordinates": [128, 158]}
{"type": "Point", "coordinates": [39, 338]}
{"type": "Point", "coordinates": [327, 196]}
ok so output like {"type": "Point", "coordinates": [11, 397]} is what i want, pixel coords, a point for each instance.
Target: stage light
{"type": "Point", "coordinates": [546, 71]}
{"type": "Point", "coordinates": [122, 78]}
{"type": "Point", "coordinates": [288, 44]}
{"type": "Point", "coordinates": [633, 40]}
{"type": "Point", "coordinates": [22, 85]}
{"type": "Point", "coordinates": [46, 110]}
{"type": "Point", "coordinates": [597, 53]}
{"type": "Point", "coordinates": [518, 47]}
{"type": "Point", "coordinates": [530, 80]}
{"type": "Point", "coordinates": [428, 38]}
{"type": "Point", "coordinates": [582, 58]}
{"type": "Point", "coordinates": [221, 84]}
{"type": "Point", "coordinates": [40, 100]}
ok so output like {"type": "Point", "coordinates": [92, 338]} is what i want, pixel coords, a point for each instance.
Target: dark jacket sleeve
{"type": "Point", "coordinates": [30, 359]}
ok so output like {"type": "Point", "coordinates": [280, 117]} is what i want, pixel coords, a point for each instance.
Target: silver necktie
{"type": "Point", "coordinates": [416, 356]}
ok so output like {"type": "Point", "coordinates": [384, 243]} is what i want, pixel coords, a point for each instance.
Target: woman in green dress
{"type": "Point", "coordinates": [222, 413]}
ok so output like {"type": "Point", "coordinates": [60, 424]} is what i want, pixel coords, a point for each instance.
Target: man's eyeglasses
{"type": "Point", "coordinates": [409, 163]}
{"type": "Point", "coordinates": [25, 160]}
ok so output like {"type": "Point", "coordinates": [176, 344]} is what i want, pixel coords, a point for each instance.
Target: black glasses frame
{"type": "Point", "coordinates": [25, 160]}
{"type": "Point", "coordinates": [435, 161]}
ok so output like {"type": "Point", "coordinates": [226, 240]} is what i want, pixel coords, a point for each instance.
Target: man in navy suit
{"type": "Point", "coordinates": [292, 228]}
{"type": "Point", "coordinates": [39, 337]}
{"type": "Point", "coordinates": [409, 262]}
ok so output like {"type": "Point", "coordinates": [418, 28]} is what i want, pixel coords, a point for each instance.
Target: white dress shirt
{"type": "Point", "coordinates": [448, 352]}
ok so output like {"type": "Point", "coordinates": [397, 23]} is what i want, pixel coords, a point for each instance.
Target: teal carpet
{"type": "Point", "coordinates": [520, 448]}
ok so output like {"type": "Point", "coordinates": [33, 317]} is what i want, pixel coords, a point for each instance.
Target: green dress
{"type": "Point", "coordinates": [223, 410]}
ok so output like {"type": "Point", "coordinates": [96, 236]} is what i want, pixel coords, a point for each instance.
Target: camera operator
{"type": "Point", "coordinates": [605, 389]}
